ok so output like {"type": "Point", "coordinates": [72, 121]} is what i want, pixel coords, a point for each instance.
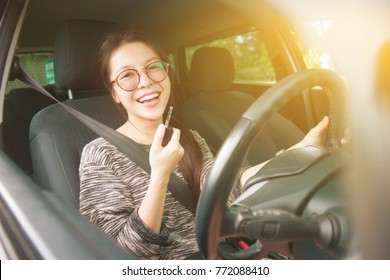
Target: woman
{"type": "Point", "coordinates": [130, 206]}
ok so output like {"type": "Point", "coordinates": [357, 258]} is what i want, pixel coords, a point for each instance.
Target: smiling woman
{"type": "Point", "coordinates": [137, 209]}
{"type": "Point", "coordinates": [139, 225]}
{"type": "Point", "coordinates": [259, 37]}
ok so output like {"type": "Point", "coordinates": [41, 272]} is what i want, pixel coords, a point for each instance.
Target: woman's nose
{"type": "Point", "coordinates": [144, 80]}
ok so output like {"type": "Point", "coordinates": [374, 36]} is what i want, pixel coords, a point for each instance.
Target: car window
{"type": "Point", "coordinates": [250, 56]}
{"type": "Point", "coordinates": [38, 65]}
{"type": "Point", "coordinates": [171, 60]}
{"type": "Point", "coordinates": [311, 41]}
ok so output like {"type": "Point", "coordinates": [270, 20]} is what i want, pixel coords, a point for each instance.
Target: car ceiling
{"type": "Point", "coordinates": [172, 22]}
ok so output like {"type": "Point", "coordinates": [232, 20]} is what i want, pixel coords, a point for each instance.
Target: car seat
{"type": "Point", "coordinates": [214, 108]}
{"type": "Point", "coordinates": [57, 137]}
{"type": "Point", "coordinates": [20, 105]}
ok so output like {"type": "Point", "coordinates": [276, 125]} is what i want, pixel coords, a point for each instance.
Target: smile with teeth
{"type": "Point", "coordinates": [149, 97]}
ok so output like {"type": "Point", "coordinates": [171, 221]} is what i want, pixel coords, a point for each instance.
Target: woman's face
{"type": "Point", "coordinates": [149, 100]}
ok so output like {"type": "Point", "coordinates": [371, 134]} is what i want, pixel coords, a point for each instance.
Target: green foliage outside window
{"type": "Point", "coordinates": [38, 65]}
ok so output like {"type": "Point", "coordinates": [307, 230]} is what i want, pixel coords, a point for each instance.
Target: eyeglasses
{"type": "Point", "coordinates": [129, 79]}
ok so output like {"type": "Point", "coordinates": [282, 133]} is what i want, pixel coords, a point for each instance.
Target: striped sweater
{"type": "Point", "coordinates": [112, 188]}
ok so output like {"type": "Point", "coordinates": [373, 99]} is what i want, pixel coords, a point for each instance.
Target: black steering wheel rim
{"type": "Point", "coordinates": [214, 221]}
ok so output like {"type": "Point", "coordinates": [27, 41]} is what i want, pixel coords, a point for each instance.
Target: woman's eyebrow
{"type": "Point", "coordinates": [132, 67]}
{"type": "Point", "coordinates": [125, 67]}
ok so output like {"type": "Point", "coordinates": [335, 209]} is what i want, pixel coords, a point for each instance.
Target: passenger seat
{"type": "Point", "coordinates": [214, 108]}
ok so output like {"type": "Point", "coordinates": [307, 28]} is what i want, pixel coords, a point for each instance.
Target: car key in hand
{"type": "Point", "coordinates": [168, 129]}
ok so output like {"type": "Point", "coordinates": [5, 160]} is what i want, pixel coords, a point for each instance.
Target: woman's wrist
{"type": "Point", "coordinates": [158, 177]}
{"type": "Point", "coordinates": [151, 208]}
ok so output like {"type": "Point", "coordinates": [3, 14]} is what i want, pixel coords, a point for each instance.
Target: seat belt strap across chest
{"type": "Point", "coordinates": [179, 189]}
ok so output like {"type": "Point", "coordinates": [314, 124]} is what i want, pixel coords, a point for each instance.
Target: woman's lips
{"type": "Point", "coordinates": [148, 97]}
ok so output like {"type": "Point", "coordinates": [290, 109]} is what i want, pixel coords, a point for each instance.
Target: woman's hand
{"type": "Point", "coordinates": [316, 136]}
{"type": "Point", "coordinates": [163, 160]}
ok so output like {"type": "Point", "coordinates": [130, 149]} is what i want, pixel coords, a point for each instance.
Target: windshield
{"type": "Point", "coordinates": [340, 35]}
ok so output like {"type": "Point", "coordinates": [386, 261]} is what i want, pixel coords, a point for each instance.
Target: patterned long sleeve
{"type": "Point", "coordinates": [112, 188]}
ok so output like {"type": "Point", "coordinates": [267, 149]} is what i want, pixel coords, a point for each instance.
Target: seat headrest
{"type": "Point", "coordinates": [76, 53]}
{"type": "Point", "coordinates": [212, 70]}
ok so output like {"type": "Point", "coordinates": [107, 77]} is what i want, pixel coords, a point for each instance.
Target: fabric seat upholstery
{"type": "Point", "coordinates": [76, 49]}
{"type": "Point", "coordinates": [214, 108]}
{"type": "Point", "coordinates": [20, 106]}
{"type": "Point", "coordinates": [56, 137]}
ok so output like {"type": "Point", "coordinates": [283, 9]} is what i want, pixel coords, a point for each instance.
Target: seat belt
{"type": "Point", "coordinates": [179, 189]}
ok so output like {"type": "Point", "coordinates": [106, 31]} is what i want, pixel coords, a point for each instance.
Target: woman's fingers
{"type": "Point", "coordinates": [317, 135]}
{"type": "Point", "coordinates": [165, 159]}
{"type": "Point", "coordinates": [174, 143]}
{"type": "Point", "coordinates": [321, 128]}
{"type": "Point", "coordinates": [159, 136]}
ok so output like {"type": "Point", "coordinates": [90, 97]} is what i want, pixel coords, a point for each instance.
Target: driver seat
{"type": "Point", "coordinates": [214, 108]}
{"type": "Point", "coordinates": [57, 138]}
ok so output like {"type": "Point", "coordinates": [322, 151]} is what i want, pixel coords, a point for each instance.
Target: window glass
{"type": "Point", "coordinates": [250, 56]}
{"type": "Point", "coordinates": [38, 65]}
{"type": "Point", "coordinates": [311, 41]}
{"type": "Point", "coordinates": [171, 60]}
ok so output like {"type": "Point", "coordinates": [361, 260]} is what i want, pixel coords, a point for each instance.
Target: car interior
{"type": "Point", "coordinates": [56, 139]}
{"type": "Point", "coordinates": [45, 141]}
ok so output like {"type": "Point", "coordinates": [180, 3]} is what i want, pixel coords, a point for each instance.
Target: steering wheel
{"type": "Point", "coordinates": [214, 219]}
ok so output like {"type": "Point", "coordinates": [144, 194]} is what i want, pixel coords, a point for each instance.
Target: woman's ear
{"type": "Point", "coordinates": [115, 96]}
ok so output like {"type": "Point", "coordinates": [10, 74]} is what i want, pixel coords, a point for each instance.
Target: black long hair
{"type": "Point", "coordinates": [191, 163]}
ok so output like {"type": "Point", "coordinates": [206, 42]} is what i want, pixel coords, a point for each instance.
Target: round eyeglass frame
{"type": "Point", "coordinates": [166, 64]}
